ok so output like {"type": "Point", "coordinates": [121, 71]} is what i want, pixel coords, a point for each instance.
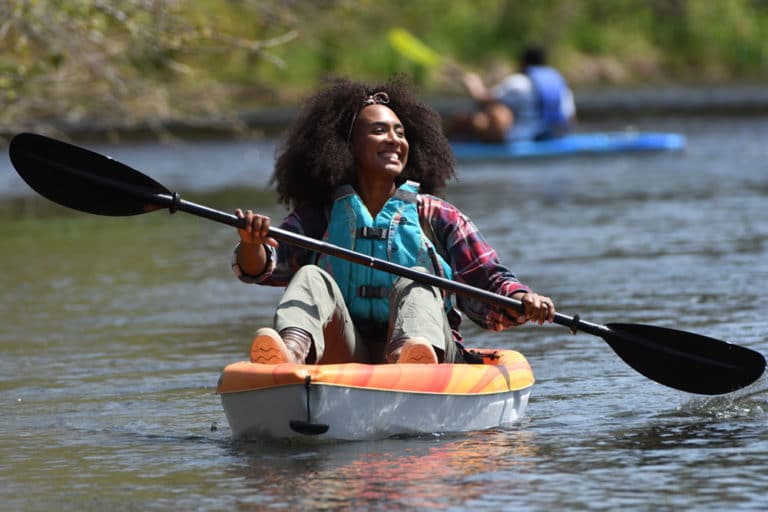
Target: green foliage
{"type": "Point", "coordinates": [126, 61]}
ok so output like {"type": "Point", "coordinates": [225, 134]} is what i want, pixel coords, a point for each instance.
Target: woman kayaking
{"type": "Point", "coordinates": [361, 168]}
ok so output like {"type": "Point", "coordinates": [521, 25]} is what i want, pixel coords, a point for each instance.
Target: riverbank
{"type": "Point", "coordinates": [593, 104]}
{"type": "Point", "coordinates": [677, 100]}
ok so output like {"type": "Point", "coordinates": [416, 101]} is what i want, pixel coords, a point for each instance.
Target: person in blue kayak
{"type": "Point", "coordinates": [362, 167]}
{"type": "Point", "coordinates": [533, 104]}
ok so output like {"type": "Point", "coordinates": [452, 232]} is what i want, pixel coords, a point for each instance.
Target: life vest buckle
{"type": "Point", "coordinates": [375, 233]}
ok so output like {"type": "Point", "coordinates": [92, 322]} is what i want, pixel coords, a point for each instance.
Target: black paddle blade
{"type": "Point", "coordinates": [685, 361]}
{"type": "Point", "coordinates": [81, 179]}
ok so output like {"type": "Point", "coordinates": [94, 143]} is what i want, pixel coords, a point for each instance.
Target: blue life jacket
{"type": "Point", "coordinates": [549, 85]}
{"type": "Point", "coordinates": [394, 235]}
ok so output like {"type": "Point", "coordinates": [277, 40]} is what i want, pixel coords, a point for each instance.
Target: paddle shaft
{"type": "Point", "coordinates": [174, 202]}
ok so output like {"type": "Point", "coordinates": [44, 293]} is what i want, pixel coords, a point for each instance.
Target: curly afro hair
{"type": "Point", "coordinates": [315, 158]}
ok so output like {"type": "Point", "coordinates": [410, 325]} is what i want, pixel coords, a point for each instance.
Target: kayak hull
{"type": "Point", "coordinates": [366, 402]}
{"type": "Point", "coordinates": [374, 415]}
{"type": "Point", "coordinates": [571, 144]}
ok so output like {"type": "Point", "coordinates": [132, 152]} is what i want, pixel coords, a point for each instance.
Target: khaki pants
{"type": "Point", "coordinates": [313, 302]}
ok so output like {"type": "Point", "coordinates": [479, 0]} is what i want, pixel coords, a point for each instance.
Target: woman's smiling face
{"type": "Point", "coordinates": [379, 146]}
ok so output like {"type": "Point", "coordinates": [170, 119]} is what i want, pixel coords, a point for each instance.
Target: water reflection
{"type": "Point", "coordinates": [433, 473]}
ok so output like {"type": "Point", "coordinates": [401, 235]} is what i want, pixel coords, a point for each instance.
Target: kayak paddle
{"type": "Point", "coordinates": [410, 47]}
{"type": "Point", "coordinates": [87, 181]}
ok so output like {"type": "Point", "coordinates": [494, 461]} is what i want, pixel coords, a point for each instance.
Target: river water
{"type": "Point", "coordinates": [114, 331]}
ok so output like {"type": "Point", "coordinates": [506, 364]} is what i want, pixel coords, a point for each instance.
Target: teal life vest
{"type": "Point", "coordinates": [395, 235]}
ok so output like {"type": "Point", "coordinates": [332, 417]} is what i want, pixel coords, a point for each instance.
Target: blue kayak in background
{"type": "Point", "coordinates": [571, 144]}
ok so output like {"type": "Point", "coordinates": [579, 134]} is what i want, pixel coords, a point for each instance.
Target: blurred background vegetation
{"type": "Point", "coordinates": [123, 62]}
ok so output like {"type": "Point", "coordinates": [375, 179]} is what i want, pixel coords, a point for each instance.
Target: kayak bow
{"type": "Point", "coordinates": [354, 401]}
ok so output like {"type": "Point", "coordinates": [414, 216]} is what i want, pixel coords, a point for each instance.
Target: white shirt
{"type": "Point", "coordinates": [517, 92]}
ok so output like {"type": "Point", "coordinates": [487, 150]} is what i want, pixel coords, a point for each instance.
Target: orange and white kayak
{"type": "Point", "coordinates": [355, 401]}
